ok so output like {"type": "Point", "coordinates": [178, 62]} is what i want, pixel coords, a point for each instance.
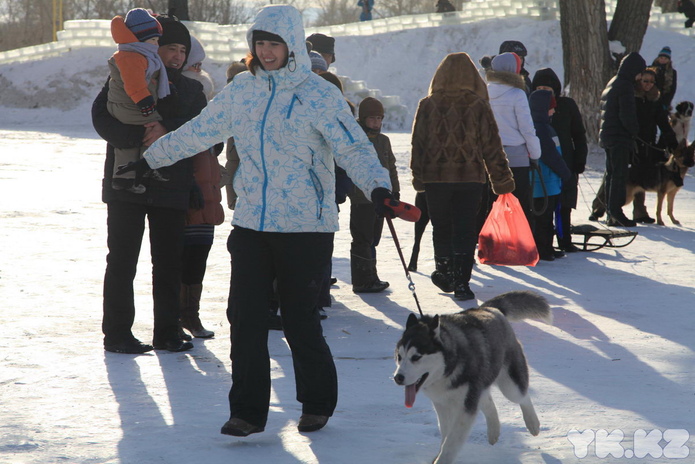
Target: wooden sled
{"type": "Point", "coordinates": [595, 238]}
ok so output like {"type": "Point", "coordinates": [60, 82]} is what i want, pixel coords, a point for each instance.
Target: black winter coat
{"type": "Point", "coordinates": [652, 115]}
{"type": "Point", "coordinates": [619, 123]}
{"type": "Point", "coordinates": [185, 102]}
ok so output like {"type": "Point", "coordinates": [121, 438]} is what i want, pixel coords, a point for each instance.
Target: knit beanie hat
{"type": "Point", "coordinates": [317, 61]}
{"type": "Point", "coordinates": [370, 106]}
{"type": "Point", "coordinates": [142, 24]}
{"type": "Point", "coordinates": [507, 62]}
{"type": "Point", "coordinates": [174, 32]}
{"type": "Point", "coordinates": [323, 44]}
{"type": "Point", "coordinates": [666, 51]}
{"type": "Point", "coordinates": [513, 46]}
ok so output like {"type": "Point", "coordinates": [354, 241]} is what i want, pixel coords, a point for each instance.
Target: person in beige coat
{"type": "Point", "coordinates": [455, 146]}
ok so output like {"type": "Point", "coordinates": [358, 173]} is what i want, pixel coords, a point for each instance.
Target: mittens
{"type": "Point", "coordinates": [147, 106]}
{"type": "Point", "coordinates": [379, 197]}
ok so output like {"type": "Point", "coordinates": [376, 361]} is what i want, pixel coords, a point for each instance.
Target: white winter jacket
{"type": "Point", "coordinates": [513, 117]}
{"type": "Point", "coordinates": [289, 126]}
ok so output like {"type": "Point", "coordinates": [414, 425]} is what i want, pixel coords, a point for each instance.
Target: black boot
{"type": "Point", "coordinates": [190, 311]}
{"type": "Point", "coordinates": [442, 277]}
{"type": "Point", "coordinates": [364, 278]}
{"type": "Point", "coordinates": [463, 267]}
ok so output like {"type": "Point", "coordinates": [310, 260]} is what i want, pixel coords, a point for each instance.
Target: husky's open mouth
{"type": "Point", "coordinates": [412, 389]}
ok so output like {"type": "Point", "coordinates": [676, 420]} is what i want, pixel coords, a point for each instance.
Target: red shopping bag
{"type": "Point", "coordinates": [506, 237]}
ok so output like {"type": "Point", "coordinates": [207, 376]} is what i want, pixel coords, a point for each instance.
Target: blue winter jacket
{"type": "Point", "coordinates": [553, 168]}
{"type": "Point", "coordinates": [289, 125]}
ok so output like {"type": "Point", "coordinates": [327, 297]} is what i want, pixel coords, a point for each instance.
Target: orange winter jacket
{"type": "Point", "coordinates": [206, 170]}
{"type": "Point", "coordinates": [132, 66]}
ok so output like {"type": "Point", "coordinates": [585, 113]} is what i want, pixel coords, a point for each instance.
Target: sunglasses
{"type": "Point", "coordinates": [648, 82]}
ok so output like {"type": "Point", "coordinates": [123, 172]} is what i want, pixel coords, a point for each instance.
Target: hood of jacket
{"type": "Point", "coordinates": [630, 66]}
{"type": "Point", "coordinates": [547, 77]}
{"type": "Point", "coordinates": [505, 80]}
{"type": "Point", "coordinates": [120, 32]}
{"type": "Point", "coordinates": [457, 73]}
{"type": "Point", "coordinates": [285, 21]}
{"type": "Point", "coordinates": [651, 95]}
{"type": "Point", "coordinates": [539, 103]}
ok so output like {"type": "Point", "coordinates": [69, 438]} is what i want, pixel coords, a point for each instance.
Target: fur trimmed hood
{"type": "Point", "coordinates": [651, 95]}
{"type": "Point", "coordinates": [506, 78]}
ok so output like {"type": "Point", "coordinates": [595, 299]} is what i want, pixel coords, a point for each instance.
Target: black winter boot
{"type": "Point", "coordinates": [443, 277]}
{"type": "Point", "coordinates": [463, 267]}
{"type": "Point", "coordinates": [364, 278]}
{"type": "Point", "coordinates": [190, 308]}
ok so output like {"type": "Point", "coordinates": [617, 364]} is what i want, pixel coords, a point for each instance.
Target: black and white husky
{"type": "Point", "coordinates": [454, 359]}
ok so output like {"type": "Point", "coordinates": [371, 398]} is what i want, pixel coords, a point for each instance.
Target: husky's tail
{"type": "Point", "coordinates": [520, 305]}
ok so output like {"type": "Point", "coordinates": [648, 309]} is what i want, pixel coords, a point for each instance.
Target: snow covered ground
{"type": "Point", "coordinates": [618, 360]}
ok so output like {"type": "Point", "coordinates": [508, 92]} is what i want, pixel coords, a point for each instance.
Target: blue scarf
{"type": "Point", "coordinates": [154, 64]}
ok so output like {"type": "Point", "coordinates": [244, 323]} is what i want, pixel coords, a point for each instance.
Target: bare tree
{"type": "Point", "coordinates": [346, 11]}
{"type": "Point", "coordinates": [337, 12]}
{"type": "Point", "coordinates": [30, 22]}
{"type": "Point", "coordinates": [587, 59]}
{"type": "Point", "coordinates": [221, 11]}
{"type": "Point", "coordinates": [404, 7]}
{"type": "Point", "coordinates": [629, 25]}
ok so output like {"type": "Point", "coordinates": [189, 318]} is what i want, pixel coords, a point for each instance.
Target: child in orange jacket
{"type": "Point", "coordinates": [135, 83]}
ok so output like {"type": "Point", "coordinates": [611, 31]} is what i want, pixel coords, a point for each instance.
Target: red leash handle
{"type": "Point", "coordinates": [403, 210]}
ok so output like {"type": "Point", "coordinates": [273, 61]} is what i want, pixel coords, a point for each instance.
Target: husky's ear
{"type": "Point", "coordinates": [434, 326]}
{"type": "Point", "coordinates": [412, 320]}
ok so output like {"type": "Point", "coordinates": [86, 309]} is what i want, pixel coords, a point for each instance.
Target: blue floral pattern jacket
{"type": "Point", "coordinates": [290, 125]}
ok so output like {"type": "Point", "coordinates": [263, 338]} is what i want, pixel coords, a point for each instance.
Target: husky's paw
{"type": "Point", "coordinates": [493, 431]}
{"type": "Point", "coordinates": [530, 418]}
{"type": "Point", "coordinates": [533, 425]}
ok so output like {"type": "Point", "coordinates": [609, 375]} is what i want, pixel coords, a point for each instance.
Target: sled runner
{"type": "Point", "coordinates": [595, 238]}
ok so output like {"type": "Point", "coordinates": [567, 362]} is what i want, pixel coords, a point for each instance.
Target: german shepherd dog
{"type": "Point", "coordinates": [666, 179]}
{"type": "Point", "coordinates": [454, 359]}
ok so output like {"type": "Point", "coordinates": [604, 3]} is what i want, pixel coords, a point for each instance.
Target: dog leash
{"type": "Point", "coordinates": [411, 284]}
{"type": "Point", "coordinates": [649, 145]}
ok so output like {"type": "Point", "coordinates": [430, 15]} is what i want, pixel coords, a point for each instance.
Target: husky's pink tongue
{"type": "Point", "coordinates": [410, 392]}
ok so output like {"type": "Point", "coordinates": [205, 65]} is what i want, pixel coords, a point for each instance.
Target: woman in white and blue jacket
{"type": "Point", "coordinates": [290, 127]}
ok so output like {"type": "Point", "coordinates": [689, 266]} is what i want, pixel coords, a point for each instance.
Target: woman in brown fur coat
{"type": "Point", "coordinates": [455, 144]}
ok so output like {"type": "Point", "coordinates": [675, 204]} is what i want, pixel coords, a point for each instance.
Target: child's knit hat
{"type": "Point", "coordinates": [370, 106]}
{"type": "Point", "coordinates": [666, 51]}
{"type": "Point", "coordinates": [317, 61]}
{"type": "Point", "coordinates": [507, 62]}
{"type": "Point", "coordinates": [142, 24]}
